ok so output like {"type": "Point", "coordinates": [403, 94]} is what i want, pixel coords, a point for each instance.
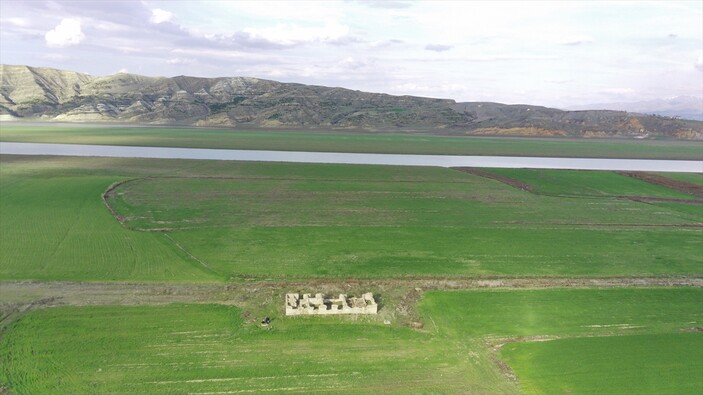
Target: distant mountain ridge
{"type": "Point", "coordinates": [48, 94]}
{"type": "Point", "coordinates": [685, 107]}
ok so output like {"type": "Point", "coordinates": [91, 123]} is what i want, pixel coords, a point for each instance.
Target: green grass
{"type": "Point", "coordinates": [646, 364]}
{"type": "Point", "coordinates": [645, 349]}
{"type": "Point", "coordinates": [205, 349]}
{"type": "Point", "coordinates": [419, 222]}
{"type": "Point", "coordinates": [590, 183]}
{"type": "Point", "coordinates": [564, 312]}
{"type": "Point", "coordinates": [302, 220]}
{"type": "Point", "coordinates": [56, 227]}
{"type": "Point", "coordinates": [208, 348]}
{"type": "Point", "coordinates": [349, 142]}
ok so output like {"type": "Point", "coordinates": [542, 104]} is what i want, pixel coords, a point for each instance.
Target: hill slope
{"type": "Point", "coordinates": [49, 94]}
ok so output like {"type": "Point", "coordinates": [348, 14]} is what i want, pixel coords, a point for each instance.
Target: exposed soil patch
{"type": "Point", "coordinates": [109, 194]}
{"type": "Point", "coordinates": [681, 186]}
{"type": "Point", "coordinates": [397, 297]}
{"type": "Point", "coordinates": [599, 224]}
{"type": "Point", "coordinates": [645, 199]}
{"type": "Point", "coordinates": [505, 180]}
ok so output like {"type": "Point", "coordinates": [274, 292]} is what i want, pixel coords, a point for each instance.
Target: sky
{"type": "Point", "coordinates": [556, 53]}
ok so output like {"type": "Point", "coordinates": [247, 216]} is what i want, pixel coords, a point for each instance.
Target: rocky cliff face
{"type": "Point", "coordinates": [49, 94]}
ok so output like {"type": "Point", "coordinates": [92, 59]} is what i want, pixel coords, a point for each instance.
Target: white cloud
{"type": "Point", "coordinates": [576, 40]}
{"type": "Point", "coordinates": [66, 33]}
{"type": "Point", "coordinates": [438, 47]}
{"type": "Point", "coordinates": [160, 16]}
{"type": "Point", "coordinates": [292, 34]}
{"type": "Point", "coordinates": [19, 22]}
{"type": "Point", "coordinates": [699, 63]}
{"type": "Point", "coordinates": [180, 61]}
{"type": "Point", "coordinates": [122, 71]}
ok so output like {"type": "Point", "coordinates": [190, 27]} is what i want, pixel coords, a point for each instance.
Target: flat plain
{"type": "Point", "coordinates": [209, 348]}
{"type": "Point", "coordinates": [228, 239]}
{"type": "Point", "coordinates": [200, 220]}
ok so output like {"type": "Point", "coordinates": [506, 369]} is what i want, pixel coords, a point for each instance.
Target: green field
{"type": "Point", "coordinates": [208, 348]}
{"type": "Point", "coordinates": [301, 220]}
{"type": "Point", "coordinates": [306, 226]}
{"type": "Point", "coordinates": [595, 183]}
{"type": "Point", "coordinates": [564, 312]}
{"type": "Point", "coordinates": [54, 226]}
{"type": "Point", "coordinates": [645, 364]}
{"type": "Point", "coordinates": [693, 178]}
{"type": "Point", "coordinates": [398, 143]}
{"type": "Point", "coordinates": [601, 341]}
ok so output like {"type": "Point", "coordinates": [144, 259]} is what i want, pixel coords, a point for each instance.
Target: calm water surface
{"type": "Point", "coordinates": [688, 166]}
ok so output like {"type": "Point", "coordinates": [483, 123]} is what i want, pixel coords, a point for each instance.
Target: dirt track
{"type": "Point", "coordinates": [681, 186]}
{"type": "Point", "coordinates": [398, 296]}
{"type": "Point", "coordinates": [505, 180]}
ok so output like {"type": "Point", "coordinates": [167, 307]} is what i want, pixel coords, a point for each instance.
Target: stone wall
{"type": "Point", "coordinates": [297, 304]}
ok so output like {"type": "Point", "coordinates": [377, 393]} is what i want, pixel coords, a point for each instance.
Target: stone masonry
{"type": "Point", "coordinates": [322, 305]}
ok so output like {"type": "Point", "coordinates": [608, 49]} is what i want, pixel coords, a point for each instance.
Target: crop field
{"type": "Point", "coordinates": [208, 348]}
{"type": "Point", "coordinates": [595, 183]}
{"type": "Point", "coordinates": [398, 143]}
{"type": "Point", "coordinates": [428, 222]}
{"type": "Point", "coordinates": [215, 220]}
{"type": "Point", "coordinates": [693, 178]}
{"type": "Point", "coordinates": [584, 341]}
{"type": "Point", "coordinates": [203, 349]}
{"type": "Point", "coordinates": [563, 312]}
{"type": "Point", "coordinates": [55, 226]}
{"type": "Point", "coordinates": [242, 234]}
{"type": "Point", "coordinates": [644, 364]}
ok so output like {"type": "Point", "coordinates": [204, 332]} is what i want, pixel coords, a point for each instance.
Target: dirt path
{"type": "Point", "coordinates": [397, 295]}
{"type": "Point", "coordinates": [681, 186]}
{"type": "Point", "coordinates": [505, 180]}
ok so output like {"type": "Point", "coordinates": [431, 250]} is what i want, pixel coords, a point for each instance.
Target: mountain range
{"type": "Point", "coordinates": [686, 107]}
{"type": "Point", "coordinates": [33, 93]}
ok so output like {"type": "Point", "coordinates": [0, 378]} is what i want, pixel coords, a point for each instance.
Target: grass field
{"type": "Point", "coordinates": [563, 312]}
{"type": "Point", "coordinates": [645, 364]}
{"type": "Point", "coordinates": [54, 226]}
{"type": "Point", "coordinates": [206, 349]}
{"type": "Point", "coordinates": [301, 220]}
{"type": "Point", "coordinates": [693, 178]}
{"type": "Point", "coordinates": [594, 183]}
{"type": "Point", "coordinates": [349, 142]}
{"type": "Point", "coordinates": [601, 341]}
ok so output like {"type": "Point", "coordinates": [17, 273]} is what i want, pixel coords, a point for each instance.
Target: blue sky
{"type": "Point", "coordinates": [551, 53]}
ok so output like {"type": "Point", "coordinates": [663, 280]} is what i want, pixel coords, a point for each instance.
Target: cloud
{"type": "Point", "coordinates": [438, 47]}
{"type": "Point", "coordinates": [160, 16]}
{"type": "Point", "coordinates": [387, 4]}
{"type": "Point", "coordinates": [180, 61]}
{"type": "Point", "coordinates": [290, 35]}
{"type": "Point", "coordinates": [122, 71]}
{"type": "Point", "coordinates": [19, 22]}
{"type": "Point", "coordinates": [576, 40]}
{"type": "Point", "coordinates": [66, 33]}
{"type": "Point", "coordinates": [699, 63]}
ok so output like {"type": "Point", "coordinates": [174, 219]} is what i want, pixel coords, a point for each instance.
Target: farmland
{"type": "Point", "coordinates": [584, 341]}
{"type": "Point", "coordinates": [644, 364]}
{"type": "Point", "coordinates": [209, 348]}
{"type": "Point", "coordinates": [361, 221]}
{"type": "Point", "coordinates": [160, 288]}
{"type": "Point", "coordinates": [377, 142]}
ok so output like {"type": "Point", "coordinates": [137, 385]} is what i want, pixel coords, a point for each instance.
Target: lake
{"type": "Point", "coordinates": [686, 166]}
